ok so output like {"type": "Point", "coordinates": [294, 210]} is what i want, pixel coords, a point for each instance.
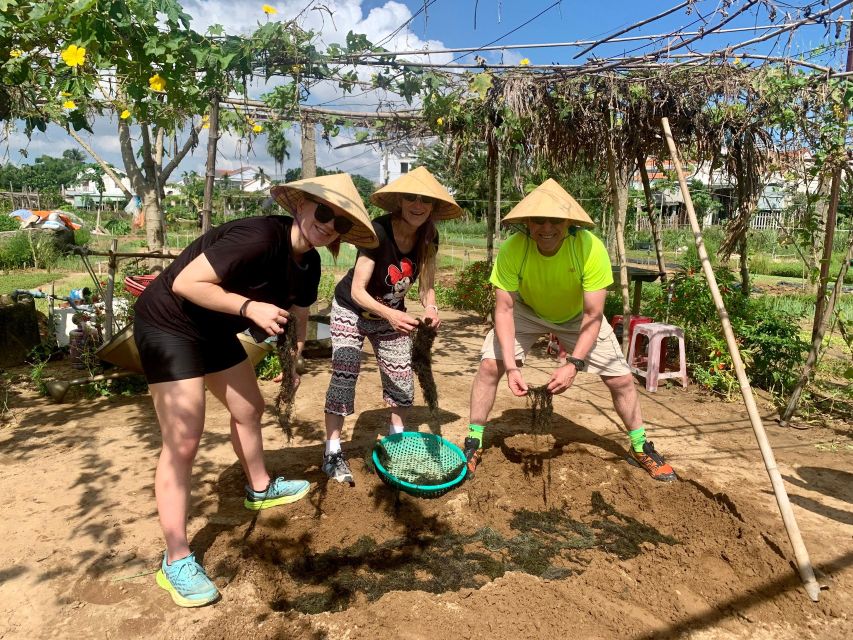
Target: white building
{"type": "Point", "coordinates": [90, 190]}
{"type": "Point", "coordinates": [396, 160]}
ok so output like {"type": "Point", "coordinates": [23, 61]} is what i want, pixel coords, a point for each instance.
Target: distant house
{"type": "Point", "coordinates": [91, 190]}
{"type": "Point", "coordinates": [768, 214]}
{"type": "Point", "coordinates": [396, 160]}
{"type": "Point", "coordinates": [246, 179]}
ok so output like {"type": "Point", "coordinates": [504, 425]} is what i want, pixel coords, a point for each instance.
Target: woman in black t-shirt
{"type": "Point", "coordinates": [370, 302]}
{"type": "Point", "coordinates": [257, 273]}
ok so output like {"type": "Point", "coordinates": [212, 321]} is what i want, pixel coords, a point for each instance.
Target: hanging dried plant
{"type": "Point", "coordinates": [286, 351]}
{"type": "Point", "coordinates": [422, 340]}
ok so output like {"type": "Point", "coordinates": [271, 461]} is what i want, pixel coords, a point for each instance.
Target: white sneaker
{"type": "Point", "coordinates": [335, 466]}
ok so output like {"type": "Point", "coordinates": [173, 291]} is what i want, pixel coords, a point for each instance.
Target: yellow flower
{"type": "Point", "coordinates": [157, 82]}
{"type": "Point", "coordinates": [270, 11]}
{"type": "Point", "coordinates": [524, 62]}
{"type": "Point", "coordinates": [257, 128]}
{"type": "Point", "coordinates": [737, 60]}
{"type": "Point", "coordinates": [125, 114]}
{"type": "Point", "coordinates": [439, 121]}
{"type": "Point", "coordinates": [74, 55]}
{"type": "Point", "coordinates": [69, 104]}
{"type": "Point", "coordinates": [205, 122]}
{"type": "Point", "coordinates": [16, 53]}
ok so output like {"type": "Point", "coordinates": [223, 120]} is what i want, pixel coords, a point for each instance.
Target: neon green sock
{"type": "Point", "coordinates": [476, 431]}
{"type": "Point", "coordinates": [638, 438]}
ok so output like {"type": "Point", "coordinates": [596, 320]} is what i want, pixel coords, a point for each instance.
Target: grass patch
{"type": "Point", "coordinates": [28, 280]}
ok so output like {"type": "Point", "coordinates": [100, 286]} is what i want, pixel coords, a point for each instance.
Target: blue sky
{"type": "Point", "coordinates": [447, 23]}
{"type": "Point", "coordinates": [452, 22]}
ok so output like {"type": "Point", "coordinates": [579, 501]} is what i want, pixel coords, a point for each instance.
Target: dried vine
{"type": "Point", "coordinates": [541, 408]}
{"type": "Point", "coordinates": [286, 351]}
{"type": "Point", "coordinates": [422, 340]}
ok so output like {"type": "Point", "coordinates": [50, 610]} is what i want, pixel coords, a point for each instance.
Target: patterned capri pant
{"type": "Point", "coordinates": [393, 355]}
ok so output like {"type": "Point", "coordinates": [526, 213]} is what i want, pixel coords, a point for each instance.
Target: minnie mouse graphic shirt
{"type": "Point", "coordinates": [394, 272]}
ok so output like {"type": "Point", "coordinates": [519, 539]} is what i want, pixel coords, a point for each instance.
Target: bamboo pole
{"type": "Point", "coordinates": [817, 341]}
{"type": "Point", "coordinates": [653, 221]}
{"type": "Point", "coordinates": [801, 554]}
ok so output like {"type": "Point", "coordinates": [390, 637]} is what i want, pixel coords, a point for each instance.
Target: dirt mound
{"type": "Point", "coordinates": [537, 533]}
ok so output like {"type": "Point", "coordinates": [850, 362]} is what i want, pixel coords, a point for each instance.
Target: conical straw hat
{"type": "Point", "coordinates": [422, 183]}
{"type": "Point", "coordinates": [338, 191]}
{"type": "Point", "coordinates": [549, 200]}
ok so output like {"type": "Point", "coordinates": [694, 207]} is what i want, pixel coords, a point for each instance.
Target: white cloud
{"type": "Point", "coordinates": [332, 20]}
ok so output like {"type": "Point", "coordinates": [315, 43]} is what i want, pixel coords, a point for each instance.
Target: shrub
{"type": "Point", "coordinates": [773, 348]}
{"type": "Point", "coordinates": [472, 290]}
{"type": "Point", "coordinates": [8, 223]}
{"type": "Point", "coordinates": [117, 227]}
{"type": "Point", "coordinates": [768, 339]}
{"type": "Point", "coordinates": [25, 249]}
{"type": "Point", "coordinates": [15, 252]}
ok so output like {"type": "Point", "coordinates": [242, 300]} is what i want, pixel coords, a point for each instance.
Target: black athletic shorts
{"type": "Point", "coordinates": [167, 357]}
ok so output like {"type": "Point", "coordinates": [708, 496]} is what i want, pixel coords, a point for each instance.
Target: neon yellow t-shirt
{"type": "Point", "coordinates": [551, 285]}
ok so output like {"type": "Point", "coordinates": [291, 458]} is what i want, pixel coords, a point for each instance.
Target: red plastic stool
{"type": "Point", "coordinates": [657, 333]}
{"type": "Point", "coordinates": [616, 321]}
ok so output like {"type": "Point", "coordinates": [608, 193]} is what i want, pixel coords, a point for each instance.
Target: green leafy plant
{"type": "Point", "coordinates": [472, 290]}
{"type": "Point", "coordinates": [269, 367]}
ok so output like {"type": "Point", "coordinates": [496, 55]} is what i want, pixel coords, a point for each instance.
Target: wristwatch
{"type": "Point", "coordinates": [580, 365]}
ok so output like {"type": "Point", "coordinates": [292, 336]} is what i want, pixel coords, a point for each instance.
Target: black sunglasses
{"type": "Point", "coordinates": [323, 213]}
{"type": "Point", "coordinates": [411, 197]}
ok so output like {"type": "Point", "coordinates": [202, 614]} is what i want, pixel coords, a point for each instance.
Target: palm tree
{"type": "Point", "coordinates": [277, 144]}
{"type": "Point", "coordinates": [74, 155]}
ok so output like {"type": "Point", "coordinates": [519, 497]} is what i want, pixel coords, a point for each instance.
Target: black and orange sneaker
{"type": "Point", "coordinates": [653, 462]}
{"type": "Point", "coordinates": [473, 453]}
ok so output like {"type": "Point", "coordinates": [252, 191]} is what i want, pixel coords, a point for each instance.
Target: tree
{"type": "Point", "coordinates": [45, 174]}
{"type": "Point", "coordinates": [75, 155]}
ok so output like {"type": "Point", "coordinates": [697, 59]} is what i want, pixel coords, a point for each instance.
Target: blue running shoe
{"type": "Point", "coordinates": [186, 582]}
{"type": "Point", "coordinates": [279, 491]}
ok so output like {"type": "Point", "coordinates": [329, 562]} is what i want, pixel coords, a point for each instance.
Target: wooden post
{"type": "Point", "coordinates": [498, 202]}
{"type": "Point", "coordinates": [832, 214]}
{"type": "Point", "coordinates": [817, 341]}
{"type": "Point", "coordinates": [309, 149]}
{"type": "Point", "coordinates": [210, 167]}
{"type": "Point", "coordinates": [800, 552]}
{"type": "Point", "coordinates": [491, 223]}
{"type": "Point", "coordinates": [618, 217]}
{"type": "Point", "coordinates": [108, 294]}
{"type": "Point", "coordinates": [654, 222]}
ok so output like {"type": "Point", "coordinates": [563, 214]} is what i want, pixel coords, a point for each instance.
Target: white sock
{"type": "Point", "coordinates": [333, 445]}
{"type": "Point", "coordinates": [392, 429]}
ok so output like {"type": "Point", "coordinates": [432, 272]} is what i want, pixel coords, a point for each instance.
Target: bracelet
{"type": "Point", "coordinates": [243, 307]}
{"type": "Point", "coordinates": [432, 306]}
{"type": "Point", "coordinates": [511, 369]}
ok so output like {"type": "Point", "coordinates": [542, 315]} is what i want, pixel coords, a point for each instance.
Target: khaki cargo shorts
{"type": "Point", "coordinates": [605, 359]}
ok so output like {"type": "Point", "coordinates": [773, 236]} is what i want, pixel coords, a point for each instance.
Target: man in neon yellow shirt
{"type": "Point", "coordinates": [553, 279]}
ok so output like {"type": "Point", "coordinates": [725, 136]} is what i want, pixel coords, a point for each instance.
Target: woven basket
{"type": "Point", "coordinates": [420, 464]}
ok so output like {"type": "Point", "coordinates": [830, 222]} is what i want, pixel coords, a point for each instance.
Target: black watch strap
{"type": "Point", "coordinates": [580, 365]}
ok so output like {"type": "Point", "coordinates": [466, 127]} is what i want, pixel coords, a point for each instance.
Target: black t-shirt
{"type": "Point", "coordinates": [252, 257]}
{"type": "Point", "coordinates": [393, 275]}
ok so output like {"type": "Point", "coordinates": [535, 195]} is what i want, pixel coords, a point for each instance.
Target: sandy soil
{"type": "Point", "coordinates": [555, 535]}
